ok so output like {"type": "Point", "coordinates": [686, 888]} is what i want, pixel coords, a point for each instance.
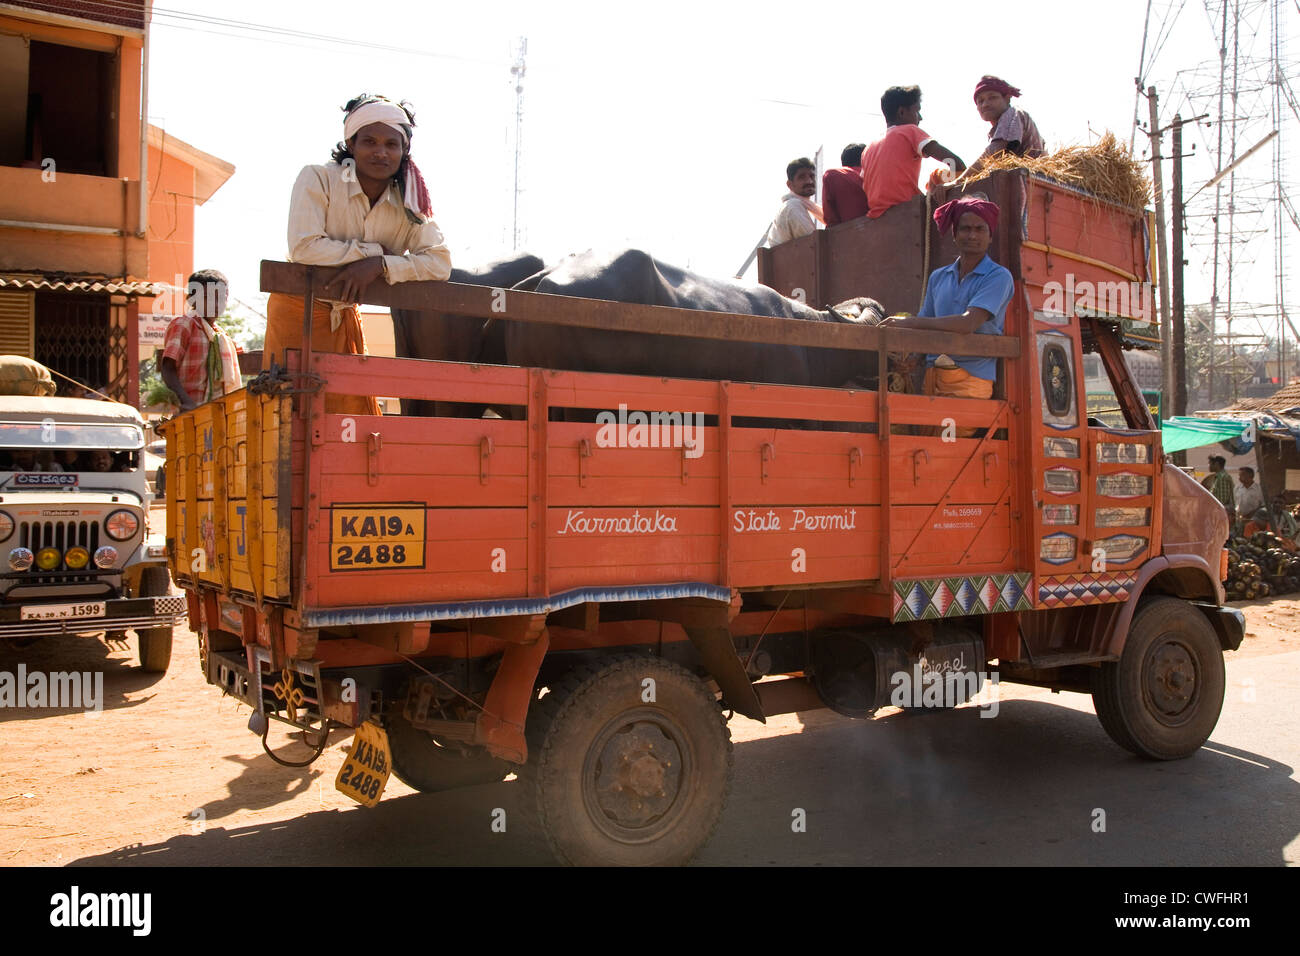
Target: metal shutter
{"type": "Point", "coordinates": [17, 310]}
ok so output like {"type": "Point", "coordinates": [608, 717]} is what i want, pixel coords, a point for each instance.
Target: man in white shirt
{"type": "Point", "coordinates": [1250, 497]}
{"type": "Point", "coordinates": [799, 215]}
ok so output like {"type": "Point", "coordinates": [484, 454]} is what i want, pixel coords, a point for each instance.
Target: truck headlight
{"type": "Point", "coordinates": [6, 526]}
{"type": "Point", "coordinates": [20, 559]}
{"type": "Point", "coordinates": [47, 559]}
{"type": "Point", "coordinates": [76, 558]}
{"type": "Point", "coordinates": [106, 556]}
{"type": "Point", "coordinates": [121, 525]}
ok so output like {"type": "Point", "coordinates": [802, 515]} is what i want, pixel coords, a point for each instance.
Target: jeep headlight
{"type": "Point", "coordinates": [105, 557]}
{"type": "Point", "coordinates": [6, 526]}
{"type": "Point", "coordinates": [76, 558]}
{"type": "Point", "coordinates": [47, 559]}
{"type": "Point", "coordinates": [121, 524]}
{"type": "Point", "coordinates": [20, 559]}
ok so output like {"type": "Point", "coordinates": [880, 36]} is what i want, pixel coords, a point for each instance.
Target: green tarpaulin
{"type": "Point", "coordinates": [1182, 432]}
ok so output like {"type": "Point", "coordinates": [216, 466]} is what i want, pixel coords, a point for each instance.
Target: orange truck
{"type": "Point", "coordinates": [538, 593]}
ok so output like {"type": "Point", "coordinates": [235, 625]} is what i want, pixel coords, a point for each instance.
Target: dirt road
{"type": "Point", "coordinates": [168, 773]}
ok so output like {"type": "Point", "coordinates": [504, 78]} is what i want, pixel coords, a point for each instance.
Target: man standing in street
{"type": "Point", "coordinates": [199, 362]}
{"type": "Point", "coordinates": [799, 215]}
{"type": "Point", "coordinates": [1219, 484]}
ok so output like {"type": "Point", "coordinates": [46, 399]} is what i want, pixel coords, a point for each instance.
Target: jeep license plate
{"type": "Point", "coordinates": [59, 612]}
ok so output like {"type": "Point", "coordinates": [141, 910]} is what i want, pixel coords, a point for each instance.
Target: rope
{"type": "Point", "coordinates": [925, 263]}
{"type": "Point", "coordinates": [75, 382]}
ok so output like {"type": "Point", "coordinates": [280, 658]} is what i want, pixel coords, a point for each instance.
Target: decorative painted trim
{"type": "Point", "coordinates": [926, 599]}
{"type": "Point", "coordinates": [331, 617]}
{"type": "Point", "coordinates": [1073, 589]}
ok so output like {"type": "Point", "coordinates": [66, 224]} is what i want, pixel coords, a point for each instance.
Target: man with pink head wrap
{"type": "Point", "coordinates": [970, 295]}
{"type": "Point", "coordinates": [1010, 130]}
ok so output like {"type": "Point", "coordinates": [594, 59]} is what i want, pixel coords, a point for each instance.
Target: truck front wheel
{"type": "Point", "coordinates": [429, 766]}
{"type": "Point", "coordinates": [155, 642]}
{"type": "Point", "coordinates": [631, 760]}
{"type": "Point", "coordinates": [1162, 699]}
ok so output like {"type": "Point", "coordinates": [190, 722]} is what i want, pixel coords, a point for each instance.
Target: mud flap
{"type": "Point", "coordinates": [718, 654]}
{"type": "Point", "coordinates": [1228, 623]}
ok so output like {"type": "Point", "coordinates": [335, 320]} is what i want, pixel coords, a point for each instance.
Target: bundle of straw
{"type": "Point", "coordinates": [1106, 169]}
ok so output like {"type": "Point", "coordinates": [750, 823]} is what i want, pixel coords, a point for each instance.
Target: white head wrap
{"type": "Point", "coordinates": [379, 111]}
{"type": "Point", "coordinates": [416, 195]}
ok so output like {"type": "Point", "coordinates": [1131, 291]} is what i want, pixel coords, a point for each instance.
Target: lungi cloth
{"type": "Point", "coordinates": [284, 331]}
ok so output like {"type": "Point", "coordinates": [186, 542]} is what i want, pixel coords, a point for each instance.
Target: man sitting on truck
{"type": "Point", "coordinates": [799, 215]}
{"type": "Point", "coordinates": [1011, 130]}
{"type": "Point", "coordinates": [891, 166]}
{"type": "Point", "coordinates": [842, 195]}
{"type": "Point", "coordinates": [970, 295]}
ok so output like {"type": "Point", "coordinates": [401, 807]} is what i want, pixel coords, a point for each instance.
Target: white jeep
{"type": "Point", "coordinates": [76, 555]}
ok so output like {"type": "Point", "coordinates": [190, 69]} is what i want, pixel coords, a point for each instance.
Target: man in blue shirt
{"type": "Point", "coordinates": [971, 295]}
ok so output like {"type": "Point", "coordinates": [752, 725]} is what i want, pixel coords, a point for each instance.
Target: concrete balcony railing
{"type": "Point", "coordinates": [67, 222]}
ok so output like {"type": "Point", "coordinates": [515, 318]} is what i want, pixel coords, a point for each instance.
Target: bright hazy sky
{"type": "Point", "coordinates": [665, 126]}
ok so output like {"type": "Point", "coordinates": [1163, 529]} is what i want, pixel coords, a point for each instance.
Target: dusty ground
{"type": "Point", "coordinates": [122, 785]}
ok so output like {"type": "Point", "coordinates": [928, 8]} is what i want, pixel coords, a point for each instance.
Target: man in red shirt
{"type": "Point", "coordinates": [891, 166]}
{"type": "Point", "coordinates": [842, 195]}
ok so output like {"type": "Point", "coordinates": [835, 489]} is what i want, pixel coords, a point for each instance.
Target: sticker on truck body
{"type": "Point", "coordinates": [376, 537]}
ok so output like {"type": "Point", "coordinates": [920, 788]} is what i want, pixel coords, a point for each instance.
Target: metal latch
{"type": "Point", "coordinates": [373, 444]}
{"type": "Point", "coordinates": [485, 449]}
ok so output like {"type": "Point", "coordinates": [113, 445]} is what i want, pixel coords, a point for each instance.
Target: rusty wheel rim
{"type": "Point", "coordinates": [1170, 683]}
{"type": "Point", "coordinates": [636, 775]}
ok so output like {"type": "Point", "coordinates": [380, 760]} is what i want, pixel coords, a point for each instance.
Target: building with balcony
{"type": "Point", "coordinates": [81, 255]}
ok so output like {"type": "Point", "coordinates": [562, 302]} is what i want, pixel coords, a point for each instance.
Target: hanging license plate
{"type": "Point", "coordinates": [364, 774]}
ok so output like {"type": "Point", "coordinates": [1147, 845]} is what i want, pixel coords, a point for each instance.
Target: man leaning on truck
{"type": "Point", "coordinates": [970, 295]}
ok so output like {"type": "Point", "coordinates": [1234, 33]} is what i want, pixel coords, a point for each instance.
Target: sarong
{"type": "Point", "coordinates": [956, 383]}
{"type": "Point", "coordinates": [284, 331]}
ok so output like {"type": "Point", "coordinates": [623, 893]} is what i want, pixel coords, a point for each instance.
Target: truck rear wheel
{"type": "Point", "coordinates": [155, 643]}
{"type": "Point", "coordinates": [1162, 699]}
{"type": "Point", "coordinates": [430, 766]}
{"type": "Point", "coordinates": [627, 771]}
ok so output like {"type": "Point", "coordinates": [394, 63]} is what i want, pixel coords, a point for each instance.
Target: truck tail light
{"type": "Point", "coordinates": [1223, 565]}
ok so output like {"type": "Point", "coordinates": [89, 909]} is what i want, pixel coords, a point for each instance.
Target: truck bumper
{"type": "Point", "coordinates": [118, 615]}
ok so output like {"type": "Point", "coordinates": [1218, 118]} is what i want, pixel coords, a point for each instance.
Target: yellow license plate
{"type": "Point", "coordinates": [376, 537]}
{"type": "Point", "coordinates": [364, 774]}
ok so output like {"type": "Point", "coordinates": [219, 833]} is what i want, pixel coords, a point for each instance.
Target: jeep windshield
{"type": "Point", "coordinates": [54, 446]}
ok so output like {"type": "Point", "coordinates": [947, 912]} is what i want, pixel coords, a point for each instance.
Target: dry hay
{"type": "Point", "coordinates": [1106, 169]}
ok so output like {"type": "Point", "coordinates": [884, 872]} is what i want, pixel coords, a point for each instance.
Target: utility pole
{"type": "Point", "coordinates": [517, 71]}
{"type": "Point", "coordinates": [1179, 398]}
{"type": "Point", "coordinates": [1166, 332]}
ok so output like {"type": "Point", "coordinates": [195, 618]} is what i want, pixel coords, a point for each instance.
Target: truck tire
{"type": "Point", "coordinates": [423, 763]}
{"type": "Point", "coordinates": [155, 643]}
{"type": "Point", "coordinates": [620, 779]}
{"type": "Point", "coordinates": [1163, 697]}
